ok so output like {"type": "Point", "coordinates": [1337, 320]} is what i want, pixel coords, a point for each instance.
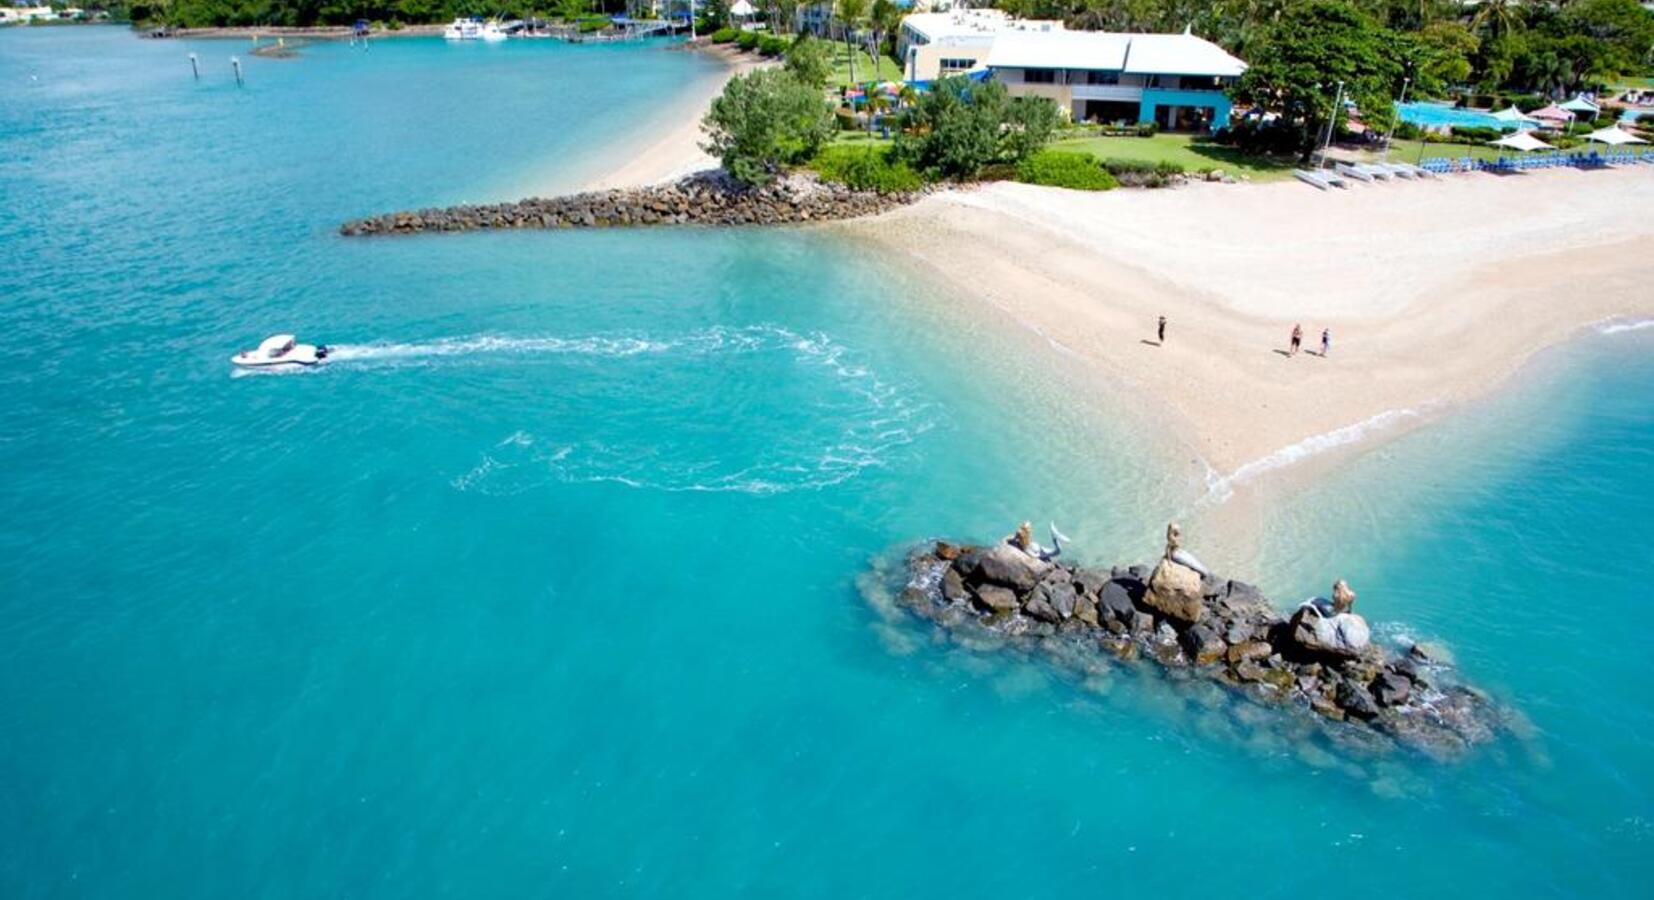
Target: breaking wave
{"type": "Point", "coordinates": [1617, 326]}
{"type": "Point", "coordinates": [1221, 488]}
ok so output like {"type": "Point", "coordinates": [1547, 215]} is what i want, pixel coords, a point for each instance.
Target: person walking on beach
{"type": "Point", "coordinates": [1326, 341]}
{"type": "Point", "coordinates": [1162, 330]}
{"type": "Point", "coordinates": [1297, 339]}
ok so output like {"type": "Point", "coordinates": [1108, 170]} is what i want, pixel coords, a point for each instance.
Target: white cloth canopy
{"type": "Point", "coordinates": [1514, 115]}
{"type": "Point", "coordinates": [741, 8]}
{"type": "Point", "coordinates": [1523, 141]}
{"type": "Point", "coordinates": [1613, 136]}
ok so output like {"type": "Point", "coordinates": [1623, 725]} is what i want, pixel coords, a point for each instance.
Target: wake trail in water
{"type": "Point", "coordinates": [861, 419]}
{"type": "Point", "coordinates": [709, 340]}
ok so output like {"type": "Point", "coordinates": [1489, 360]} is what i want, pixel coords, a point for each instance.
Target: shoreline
{"type": "Point", "coordinates": [671, 142]}
{"type": "Point", "coordinates": [1437, 294]}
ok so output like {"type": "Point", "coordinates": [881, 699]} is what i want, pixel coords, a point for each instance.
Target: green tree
{"type": "Point", "coordinates": [961, 126]}
{"type": "Point", "coordinates": [1498, 18]}
{"type": "Point", "coordinates": [765, 120]}
{"type": "Point", "coordinates": [810, 61]}
{"type": "Point", "coordinates": [1310, 50]}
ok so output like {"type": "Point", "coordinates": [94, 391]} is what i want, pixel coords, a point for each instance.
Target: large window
{"type": "Point", "coordinates": [1039, 76]}
{"type": "Point", "coordinates": [1096, 77]}
{"type": "Point", "coordinates": [953, 66]}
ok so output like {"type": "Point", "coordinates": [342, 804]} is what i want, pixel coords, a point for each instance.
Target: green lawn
{"type": "Point", "coordinates": [888, 70]}
{"type": "Point", "coordinates": [1192, 152]}
{"type": "Point", "coordinates": [1409, 151]}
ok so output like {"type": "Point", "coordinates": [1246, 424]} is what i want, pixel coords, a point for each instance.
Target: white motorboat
{"type": "Point", "coordinates": [280, 350]}
{"type": "Point", "coordinates": [494, 31]}
{"type": "Point", "coordinates": [463, 30]}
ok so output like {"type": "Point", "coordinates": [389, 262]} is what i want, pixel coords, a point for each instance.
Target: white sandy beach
{"type": "Point", "coordinates": [671, 147]}
{"type": "Point", "coordinates": [1435, 292]}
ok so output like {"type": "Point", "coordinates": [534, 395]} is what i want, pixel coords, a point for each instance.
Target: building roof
{"type": "Point", "coordinates": [973, 25]}
{"type": "Point", "coordinates": [1145, 54]}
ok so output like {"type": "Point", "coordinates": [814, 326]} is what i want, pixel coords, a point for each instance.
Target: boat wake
{"type": "Point", "coordinates": [1220, 488]}
{"type": "Point", "coordinates": [706, 341]}
{"type": "Point", "coordinates": [849, 421]}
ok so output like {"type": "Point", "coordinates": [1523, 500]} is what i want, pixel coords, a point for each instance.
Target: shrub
{"type": "Point", "coordinates": [748, 40]}
{"type": "Point", "coordinates": [764, 120]}
{"type": "Point", "coordinates": [725, 35]}
{"type": "Point", "coordinates": [588, 24]}
{"type": "Point", "coordinates": [960, 126]}
{"type": "Point", "coordinates": [1142, 173]}
{"type": "Point", "coordinates": [1407, 131]}
{"type": "Point", "coordinates": [866, 168]}
{"type": "Point", "coordinates": [809, 60]}
{"type": "Point", "coordinates": [1057, 168]}
{"type": "Point", "coordinates": [1147, 129]}
{"type": "Point", "coordinates": [1471, 133]}
{"type": "Point", "coordinates": [771, 46]}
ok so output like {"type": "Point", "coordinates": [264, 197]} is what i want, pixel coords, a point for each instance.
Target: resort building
{"type": "Point", "coordinates": [938, 44]}
{"type": "Point", "coordinates": [1176, 81]}
{"type": "Point", "coordinates": [15, 14]}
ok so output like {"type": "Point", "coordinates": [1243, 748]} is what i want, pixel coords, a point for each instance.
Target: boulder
{"type": "Point", "coordinates": [1085, 610]}
{"type": "Point", "coordinates": [994, 598]}
{"type": "Point", "coordinates": [1205, 646]}
{"type": "Point", "coordinates": [1005, 565]}
{"type": "Point", "coordinates": [1355, 700]}
{"type": "Point", "coordinates": [1041, 608]}
{"type": "Point", "coordinates": [1061, 595]}
{"type": "Point", "coordinates": [1345, 634]}
{"type": "Point", "coordinates": [1174, 590]}
{"type": "Point", "coordinates": [1391, 688]}
{"type": "Point", "coordinates": [1090, 581]}
{"type": "Point", "coordinates": [1114, 601]}
{"type": "Point", "coordinates": [1250, 650]}
{"type": "Point", "coordinates": [1141, 623]}
{"type": "Point", "coordinates": [953, 586]}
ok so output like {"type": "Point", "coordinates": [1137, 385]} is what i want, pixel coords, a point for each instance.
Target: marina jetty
{"type": "Point", "coordinates": [1319, 659]}
{"type": "Point", "coordinates": [709, 198]}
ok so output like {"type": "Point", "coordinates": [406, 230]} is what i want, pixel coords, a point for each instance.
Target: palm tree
{"type": "Point", "coordinates": [1498, 17]}
{"type": "Point", "coordinates": [886, 18]}
{"type": "Point", "coordinates": [850, 13]}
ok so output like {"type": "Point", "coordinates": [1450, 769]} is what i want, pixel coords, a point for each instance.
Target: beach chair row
{"type": "Point", "coordinates": [1443, 165]}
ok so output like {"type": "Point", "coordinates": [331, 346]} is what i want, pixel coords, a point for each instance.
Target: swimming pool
{"type": "Point", "coordinates": [1436, 115]}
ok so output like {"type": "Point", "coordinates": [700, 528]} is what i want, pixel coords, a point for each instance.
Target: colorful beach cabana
{"type": "Point", "coordinates": [1516, 117]}
{"type": "Point", "coordinates": [1552, 115]}
{"type": "Point", "coordinates": [1581, 105]}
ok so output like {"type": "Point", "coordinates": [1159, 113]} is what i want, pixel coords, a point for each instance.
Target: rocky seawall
{"type": "Point", "coordinates": [708, 198]}
{"type": "Point", "coordinates": [1320, 658]}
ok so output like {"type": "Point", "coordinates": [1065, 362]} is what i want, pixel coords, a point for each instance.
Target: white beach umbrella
{"type": "Point", "coordinates": [1613, 136]}
{"type": "Point", "coordinates": [741, 8]}
{"type": "Point", "coordinates": [1523, 141]}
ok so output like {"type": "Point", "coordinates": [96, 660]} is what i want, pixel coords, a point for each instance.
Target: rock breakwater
{"type": "Point", "coordinates": [709, 199]}
{"type": "Point", "coordinates": [1176, 616]}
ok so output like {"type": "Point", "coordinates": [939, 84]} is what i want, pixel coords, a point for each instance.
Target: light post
{"type": "Point", "coordinates": [1396, 117]}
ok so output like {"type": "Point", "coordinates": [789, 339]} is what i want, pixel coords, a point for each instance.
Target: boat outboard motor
{"type": "Point", "coordinates": [321, 352]}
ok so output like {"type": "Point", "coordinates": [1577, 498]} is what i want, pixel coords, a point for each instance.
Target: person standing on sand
{"type": "Point", "coordinates": [1326, 341]}
{"type": "Point", "coordinates": [1297, 339]}
{"type": "Point", "coordinates": [1162, 330]}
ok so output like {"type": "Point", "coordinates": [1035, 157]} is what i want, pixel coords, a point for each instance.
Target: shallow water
{"type": "Point", "coordinates": [549, 584]}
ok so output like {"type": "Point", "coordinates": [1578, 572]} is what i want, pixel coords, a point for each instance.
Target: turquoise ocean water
{"type": "Point", "coordinates": [549, 585]}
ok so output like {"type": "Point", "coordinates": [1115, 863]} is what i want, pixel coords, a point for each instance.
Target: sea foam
{"type": "Point", "coordinates": [1221, 488]}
